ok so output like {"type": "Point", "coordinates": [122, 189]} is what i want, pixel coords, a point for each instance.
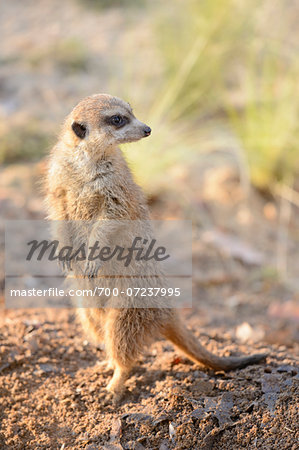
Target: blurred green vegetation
{"type": "Point", "coordinates": [267, 126]}
{"type": "Point", "coordinates": [69, 55]}
{"type": "Point", "coordinates": [105, 4]}
{"type": "Point", "coordinates": [199, 42]}
{"type": "Point", "coordinates": [222, 66]}
{"type": "Point", "coordinates": [222, 70]}
{"type": "Point", "coordinates": [23, 141]}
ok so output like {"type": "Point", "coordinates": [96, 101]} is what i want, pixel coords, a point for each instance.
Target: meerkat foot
{"type": "Point", "coordinates": [117, 397]}
{"type": "Point", "coordinates": [106, 365]}
{"type": "Point", "coordinates": [116, 386]}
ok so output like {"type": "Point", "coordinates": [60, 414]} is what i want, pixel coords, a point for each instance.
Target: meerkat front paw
{"type": "Point", "coordinates": [91, 269]}
{"type": "Point", "coordinates": [65, 264]}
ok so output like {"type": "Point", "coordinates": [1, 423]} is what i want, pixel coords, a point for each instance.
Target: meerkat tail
{"type": "Point", "coordinates": [185, 341]}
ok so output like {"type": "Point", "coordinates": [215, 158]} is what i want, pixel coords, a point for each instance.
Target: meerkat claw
{"type": "Point", "coordinates": [91, 269]}
{"type": "Point", "coordinates": [66, 265]}
{"type": "Point", "coordinates": [115, 396]}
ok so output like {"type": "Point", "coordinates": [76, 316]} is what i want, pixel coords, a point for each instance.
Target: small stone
{"type": "Point", "coordinates": [164, 446]}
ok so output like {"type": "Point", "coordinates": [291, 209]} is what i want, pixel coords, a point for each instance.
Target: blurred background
{"type": "Point", "coordinates": [218, 84]}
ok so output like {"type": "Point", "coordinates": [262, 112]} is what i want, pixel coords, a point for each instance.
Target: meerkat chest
{"type": "Point", "coordinates": [84, 205]}
{"type": "Point", "coordinates": [104, 191]}
{"type": "Point", "coordinates": [102, 177]}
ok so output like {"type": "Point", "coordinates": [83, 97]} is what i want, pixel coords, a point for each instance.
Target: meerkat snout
{"type": "Point", "coordinates": [147, 130]}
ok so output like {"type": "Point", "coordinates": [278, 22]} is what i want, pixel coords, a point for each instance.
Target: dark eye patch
{"type": "Point", "coordinates": [79, 129]}
{"type": "Point", "coordinates": [117, 120]}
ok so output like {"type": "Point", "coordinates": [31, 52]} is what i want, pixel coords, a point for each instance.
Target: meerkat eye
{"type": "Point", "coordinates": [117, 120]}
{"type": "Point", "coordinates": [79, 129]}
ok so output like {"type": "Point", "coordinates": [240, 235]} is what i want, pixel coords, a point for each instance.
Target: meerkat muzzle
{"type": "Point", "coordinates": [147, 131]}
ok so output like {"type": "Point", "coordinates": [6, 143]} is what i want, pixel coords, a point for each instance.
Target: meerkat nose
{"type": "Point", "coordinates": [147, 131]}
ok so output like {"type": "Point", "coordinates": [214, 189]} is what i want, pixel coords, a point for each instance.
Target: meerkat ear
{"type": "Point", "coordinates": [79, 129]}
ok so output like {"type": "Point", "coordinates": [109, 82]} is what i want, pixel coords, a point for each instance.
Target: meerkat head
{"type": "Point", "coordinates": [104, 120]}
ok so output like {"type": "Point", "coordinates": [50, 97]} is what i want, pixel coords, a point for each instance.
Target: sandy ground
{"type": "Point", "coordinates": [53, 382]}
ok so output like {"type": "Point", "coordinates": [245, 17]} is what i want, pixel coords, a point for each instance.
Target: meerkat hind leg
{"type": "Point", "coordinates": [91, 320]}
{"type": "Point", "coordinates": [127, 332]}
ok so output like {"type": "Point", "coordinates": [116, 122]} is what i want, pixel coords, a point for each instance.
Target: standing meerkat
{"type": "Point", "coordinates": [89, 180]}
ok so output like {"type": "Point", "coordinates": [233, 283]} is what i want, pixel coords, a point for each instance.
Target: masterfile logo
{"type": "Point", "coordinates": [114, 263]}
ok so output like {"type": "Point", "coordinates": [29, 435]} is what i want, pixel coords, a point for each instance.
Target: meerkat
{"type": "Point", "coordinates": [89, 180]}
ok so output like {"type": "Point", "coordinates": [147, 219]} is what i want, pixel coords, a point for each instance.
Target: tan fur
{"type": "Point", "coordinates": [89, 179]}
